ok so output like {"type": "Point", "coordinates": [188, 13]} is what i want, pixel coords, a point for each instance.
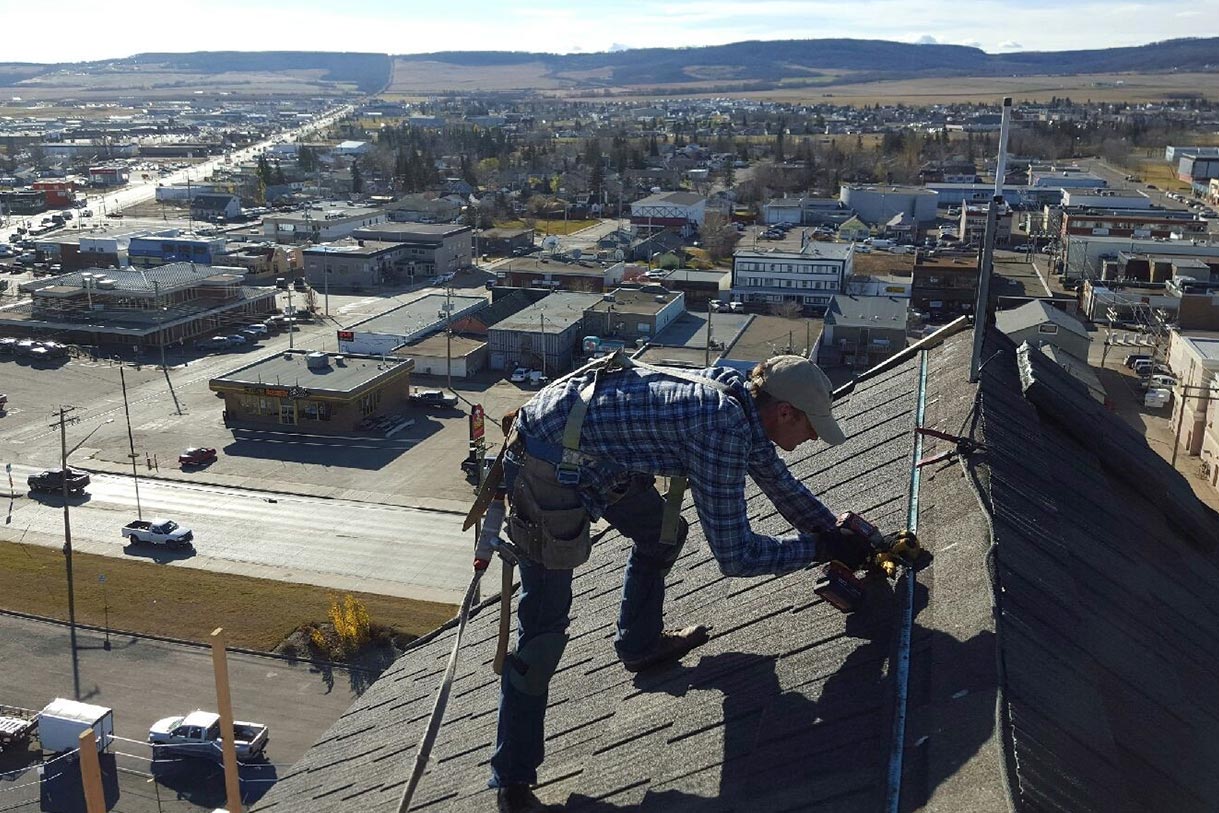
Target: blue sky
{"type": "Point", "coordinates": [95, 29]}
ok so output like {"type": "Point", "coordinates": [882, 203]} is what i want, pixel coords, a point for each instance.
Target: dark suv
{"type": "Point", "coordinates": [53, 481]}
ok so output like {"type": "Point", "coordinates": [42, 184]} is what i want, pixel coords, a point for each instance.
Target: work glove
{"type": "Point", "coordinates": [838, 545]}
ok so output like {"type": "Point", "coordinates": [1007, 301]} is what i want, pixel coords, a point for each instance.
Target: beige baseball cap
{"type": "Point", "coordinates": [802, 384]}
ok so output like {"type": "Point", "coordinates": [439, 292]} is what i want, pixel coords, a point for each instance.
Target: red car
{"type": "Point", "coordinates": [197, 457]}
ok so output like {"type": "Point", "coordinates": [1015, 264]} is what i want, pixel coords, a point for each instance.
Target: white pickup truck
{"type": "Point", "coordinates": [198, 735]}
{"type": "Point", "coordinates": [158, 532]}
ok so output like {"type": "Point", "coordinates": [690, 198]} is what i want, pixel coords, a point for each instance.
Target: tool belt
{"type": "Point", "coordinates": [548, 522]}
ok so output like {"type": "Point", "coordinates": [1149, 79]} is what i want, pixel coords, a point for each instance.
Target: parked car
{"type": "Point", "coordinates": [52, 481]}
{"type": "Point", "coordinates": [300, 285]}
{"type": "Point", "coordinates": [519, 375]}
{"type": "Point", "coordinates": [236, 340]}
{"type": "Point", "coordinates": [433, 398]}
{"type": "Point", "coordinates": [1136, 357]}
{"type": "Point", "coordinates": [164, 532]}
{"type": "Point", "coordinates": [281, 283]}
{"type": "Point", "coordinates": [198, 735]}
{"type": "Point", "coordinates": [197, 456]}
{"type": "Point", "coordinates": [257, 327]}
{"type": "Point", "coordinates": [8, 346]}
{"type": "Point", "coordinates": [213, 343]}
{"type": "Point", "coordinates": [3, 402]}
{"type": "Point", "coordinates": [1158, 381]}
{"type": "Point", "coordinates": [1157, 398]}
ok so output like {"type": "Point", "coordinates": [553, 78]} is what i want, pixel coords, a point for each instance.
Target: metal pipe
{"type": "Point", "coordinates": [987, 256]}
{"type": "Point", "coordinates": [910, 582]}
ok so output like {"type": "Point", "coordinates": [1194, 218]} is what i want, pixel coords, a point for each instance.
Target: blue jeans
{"type": "Point", "coordinates": [544, 605]}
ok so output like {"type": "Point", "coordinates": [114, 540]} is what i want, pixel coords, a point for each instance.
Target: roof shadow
{"type": "Point", "coordinates": [769, 730]}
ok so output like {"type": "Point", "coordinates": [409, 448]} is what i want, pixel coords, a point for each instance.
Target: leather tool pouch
{"type": "Point", "coordinates": [547, 520]}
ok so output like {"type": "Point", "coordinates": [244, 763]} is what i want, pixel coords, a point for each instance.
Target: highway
{"type": "Point", "coordinates": [141, 191]}
{"type": "Point", "coordinates": [339, 544]}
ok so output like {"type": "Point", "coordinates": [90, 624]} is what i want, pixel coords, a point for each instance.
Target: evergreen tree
{"type": "Point", "coordinates": [357, 178]}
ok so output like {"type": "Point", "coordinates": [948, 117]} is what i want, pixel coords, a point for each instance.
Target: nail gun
{"type": "Point", "coordinates": [842, 587]}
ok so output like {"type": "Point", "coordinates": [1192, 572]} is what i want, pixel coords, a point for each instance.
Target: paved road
{"type": "Point", "coordinates": [340, 544]}
{"type": "Point", "coordinates": [143, 680]}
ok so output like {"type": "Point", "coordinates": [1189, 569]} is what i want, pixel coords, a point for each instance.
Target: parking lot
{"type": "Point", "coordinates": [173, 409]}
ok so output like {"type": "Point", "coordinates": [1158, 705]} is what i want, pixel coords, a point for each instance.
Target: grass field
{"type": "Point", "coordinates": [988, 89]}
{"type": "Point", "coordinates": [543, 227]}
{"type": "Point", "coordinates": [182, 602]}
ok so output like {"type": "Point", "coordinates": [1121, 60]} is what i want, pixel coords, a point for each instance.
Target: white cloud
{"type": "Point", "coordinates": [926, 39]}
{"type": "Point", "coordinates": [618, 46]}
{"type": "Point", "coordinates": [1010, 45]}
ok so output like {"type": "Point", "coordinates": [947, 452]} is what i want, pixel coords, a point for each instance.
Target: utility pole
{"type": "Point", "coordinates": [291, 315]}
{"type": "Point", "coordinates": [1184, 396]}
{"type": "Point", "coordinates": [707, 348]}
{"type": "Point", "coordinates": [542, 317]}
{"type": "Point", "coordinates": [135, 472]}
{"type": "Point", "coordinates": [448, 333]}
{"type": "Point", "coordinates": [67, 544]}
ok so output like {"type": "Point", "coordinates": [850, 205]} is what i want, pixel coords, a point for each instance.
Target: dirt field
{"type": "Point", "coordinates": [1094, 87]}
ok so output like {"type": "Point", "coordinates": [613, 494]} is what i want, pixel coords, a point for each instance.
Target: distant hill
{"type": "Point", "coordinates": [838, 59]}
{"type": "Point", "coordinates": [229, 72]}
{"type": "Point", "coordinates": [753, 65]}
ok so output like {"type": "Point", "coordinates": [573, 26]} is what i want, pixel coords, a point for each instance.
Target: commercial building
{"type": "Point", "coordinates": [322, 223]}
{"type": "Point", "coordinates": [148, 307]}
{"type": "Point", "coordinates": [862, 331]}
{"type": "Point", "coordinates": [543, 336]}
{"type": "Point", "coordinates": [1085, 255]}
{"type": "Point", "coordinates": [1194, 359]}
{"type": "Point", "coordinates": [314, 392]}
{"type": "Point", "coordinates": [407, 323]}
{"type": "Point", "coordinates": [631, 314]}
{"type": "Point", "coordinates": [1139, 223]}
{"type": "Point", "coordinates": [108, 176]}
{"type": "Point", "coordinates": [809, 277]}
{"type": "Point", "coordinates": [426, 250]}
{"type": "Point", "coordinates": [174, 246]}
{"type": "Point", "coordinates": [560, 274]}
{"type": "Point", "coordinates": [878, 204]}
{"type": "Point", "coordinates": [972, 224]}
{"type": "Point", "coordinates": [943, 288]}
{"type": "Point", "coordinates": [683, 212]}
{"type": "Point", "coordinates": [59, 194]}
{"type": "Point", "coordinates": [350, 265]}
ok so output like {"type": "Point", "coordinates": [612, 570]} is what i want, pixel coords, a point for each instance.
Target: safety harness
{"type": "Point", "coordinates": [571, 459]}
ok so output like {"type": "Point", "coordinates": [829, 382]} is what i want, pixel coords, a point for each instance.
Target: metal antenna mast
{"type": "Point", "coordinates": [987, 255]}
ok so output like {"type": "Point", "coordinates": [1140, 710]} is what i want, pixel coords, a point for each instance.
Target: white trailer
{"type": "Point", "coordinates": [62, 722]}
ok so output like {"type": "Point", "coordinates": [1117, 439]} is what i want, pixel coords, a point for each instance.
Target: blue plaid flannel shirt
{"type": "Point", "coordinates": [652, 423]}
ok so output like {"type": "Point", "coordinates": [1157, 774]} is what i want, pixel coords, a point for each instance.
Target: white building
{"type": "Point", "coordinates": [320, 224]}
{"type": "Point", "coordinates": [809, 277]}
{"type": "Point", "coordinates": [674, 210]}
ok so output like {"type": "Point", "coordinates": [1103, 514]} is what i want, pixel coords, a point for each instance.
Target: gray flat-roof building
{"type": "Point", "coordinates": [315, 391]}
{"type": "Point", "coordinates": [543, 336]}
{"type": "Point", "coordinates": [878, 204]}
{"type": "Point", "coordinates": [407, 323]}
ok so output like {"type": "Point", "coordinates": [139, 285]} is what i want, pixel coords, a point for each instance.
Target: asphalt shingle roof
{"type": "Point", "coordinates": [1063, 650]}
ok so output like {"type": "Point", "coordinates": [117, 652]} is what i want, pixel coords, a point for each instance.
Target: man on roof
{"type": "Point", "coordinates": [590, 446]}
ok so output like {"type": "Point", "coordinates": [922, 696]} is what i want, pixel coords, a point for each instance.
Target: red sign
{"type": "Point", "coordinates": [346, 336]}
{"type": "Point", "coordinates": [477, 428]}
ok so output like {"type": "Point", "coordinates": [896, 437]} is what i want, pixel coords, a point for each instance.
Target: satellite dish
{"type": "Point", "coordinates": [618, 255]}
{"type": "Point", "coordinates": [576, 253]}
{"type": "Point", "coordinates": [550, 243]}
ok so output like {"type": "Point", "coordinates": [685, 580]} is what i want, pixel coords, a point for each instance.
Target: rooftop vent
{"type": "Point", "coordinates": [317, 361]}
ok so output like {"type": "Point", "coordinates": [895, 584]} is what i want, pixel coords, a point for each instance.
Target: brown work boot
{"type": "Point", "coordinates": [520, 799]}
{"type": "Point", "coordinates": [671, 646]}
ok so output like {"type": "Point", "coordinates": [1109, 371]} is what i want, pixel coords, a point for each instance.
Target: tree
{"type": "Point", "coordinates": [357, 178]}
